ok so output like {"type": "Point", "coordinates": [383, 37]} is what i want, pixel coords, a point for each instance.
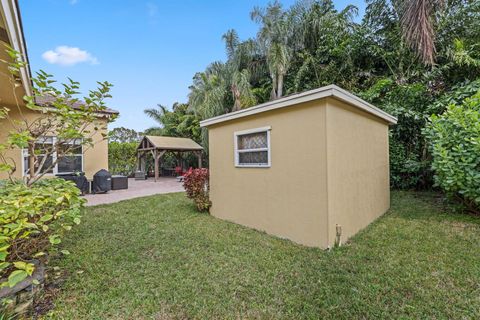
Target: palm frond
{"type": "Point", "coordinates": [417, 21]}
{"type": "Point", "coordinates": [231, 42]}
{"type": "Point", "coordinates": [156, 114]}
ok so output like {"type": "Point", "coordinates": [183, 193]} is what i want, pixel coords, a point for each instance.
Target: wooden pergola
{"type": "Point", "coordinates": [157, 146]}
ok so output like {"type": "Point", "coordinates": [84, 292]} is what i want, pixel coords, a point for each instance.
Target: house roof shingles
{"type": "Point", "coordinates": [45, 101]}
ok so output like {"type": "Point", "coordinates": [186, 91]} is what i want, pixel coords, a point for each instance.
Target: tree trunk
{"type": "Point", "coordinates": [273, 94]}
{"type": "Point", "coordinates": [31, 162]}
{"type": "Point", "coordinates": [280, 86]}
{"type": "Point", "coordinates": [237, 105]}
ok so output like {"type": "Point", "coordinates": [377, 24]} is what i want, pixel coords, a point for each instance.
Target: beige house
{"type": "Point", "coordinates": [11, 33]}
{"type": "Point", "coordinates": [311, 167]}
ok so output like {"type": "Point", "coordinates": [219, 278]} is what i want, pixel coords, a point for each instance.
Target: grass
{"type": "Point", "coordinates": [156, 258]}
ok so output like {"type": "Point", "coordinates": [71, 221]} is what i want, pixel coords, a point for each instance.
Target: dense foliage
{"type": "Point", "coordinates": [455, 146]}
{"type": "Point", "coordinates": [407, 64]}
{"type": "Point", "coordinates": [122, 135]}
{"type": "Point", "coordinates": [179, 122]}
{"type": "Point", "coordinates": [197, 187]}
{"type": "Point", "coordinates": [32, 222]}
{"type": "Point", "coordinates": [122, 157]}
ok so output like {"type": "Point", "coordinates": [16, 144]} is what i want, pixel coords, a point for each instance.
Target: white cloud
{"type": "Point", "coordinates": [68, 56]}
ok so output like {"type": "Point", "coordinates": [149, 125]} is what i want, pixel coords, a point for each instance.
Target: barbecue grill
{"type": "Point", "coordinates": [102, 182]}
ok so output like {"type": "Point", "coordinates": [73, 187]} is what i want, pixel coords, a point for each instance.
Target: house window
{"type": "Point", "coordinates": [252, 148]}
{"type": "Point", "coordinates": [67, 163]}
{"type": "Point", "coordinates": [73, 160]}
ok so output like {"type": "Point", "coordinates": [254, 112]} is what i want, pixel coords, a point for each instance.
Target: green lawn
{"type": "Point", "coordinates": [156, 258]}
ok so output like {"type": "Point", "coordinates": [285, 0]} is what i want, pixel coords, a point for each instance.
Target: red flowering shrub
{"type": "Point", "coordinates": [197, 187]}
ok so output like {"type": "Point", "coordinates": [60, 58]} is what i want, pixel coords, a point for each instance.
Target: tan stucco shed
{"type": "Point", "coordinates": [303, 167]}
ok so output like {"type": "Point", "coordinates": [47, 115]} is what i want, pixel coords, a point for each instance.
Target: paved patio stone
{"type": "Point", "coordinates": [136, 189]}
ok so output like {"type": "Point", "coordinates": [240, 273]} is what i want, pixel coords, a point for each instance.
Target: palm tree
{"type": "Point", "coordinates": [232, 43]}
{"type": "Point", "coordinates": [417, 18]}
{"type": "Point", "coordinates": [238, 78]}
{"type": "Point", "coordinates": [322, 18]}
{"type": "Point", "coordinates": [157, 115]}
{"type": "Point", "coordinates": [324, 54]}
{"type": "Point", "coordinates": [208, 91]}
{"type": "Point", "coordinates": [275, 36]}
{"type": "Point", "coordinates": [177, 122]}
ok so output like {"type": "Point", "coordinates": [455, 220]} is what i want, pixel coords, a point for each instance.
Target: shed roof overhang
{"type": "Point", "coordinates": [295, 99]}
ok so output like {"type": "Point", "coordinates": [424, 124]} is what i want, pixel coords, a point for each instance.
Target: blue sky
{"type": "Point", "coordinates": [149, 50]}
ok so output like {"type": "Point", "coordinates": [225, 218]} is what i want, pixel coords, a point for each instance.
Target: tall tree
{"type": "Point", "coordinates": [237, 77]}
{"type": "Point", "coordinates": [418, 19]}
{"type": "Point", "coordinates": [276, 37]}
{"type": "Point", "coordinates": [179, 122]}
{"type": "Point", "coordinates": [327, 53]}
{"type": "Point", "coordinates": [123, 135]}
{"type": "Point", "coordinates": [208, 92]}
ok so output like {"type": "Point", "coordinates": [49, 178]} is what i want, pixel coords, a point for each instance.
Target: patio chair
{"type": "Point", "coordinates": [140, 175]}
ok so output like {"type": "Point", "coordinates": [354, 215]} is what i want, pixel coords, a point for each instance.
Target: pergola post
{"type": "Point", "coordinates": [139, 161]}
{"type": "Point", "coordinates": [179, 159]}
{"type": "Point", "coordinates": [157, 155]}
{"type": "Point", "coordinates": [199, 156]}
{"type": "Point", "coordinates": [155, 159]}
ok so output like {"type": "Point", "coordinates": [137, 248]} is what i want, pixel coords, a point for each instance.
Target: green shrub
{"type": "Point", "coordinates": [455, 145]}
{"type": "Point", "coordinates": [410, 103]}
{"type": "Point", "coordinates": [122, 157]}
{"type": "Point", "coordinates": [408, 170]}
{"type": "Point", "coordinates": [32, 222]}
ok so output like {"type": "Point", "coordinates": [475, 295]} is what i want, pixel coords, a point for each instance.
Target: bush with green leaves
{"type": "Point", "coordinates": [407, 169]}
{"type": "Point", "coordinates": [410, 103]}
{"type": "Point", "coordinates": [455, 145]}
{"type": "Point", "coordinates": [197, 187]}
{"type": "Point", "coordinates": [33, 220]}
{"type": "Point", "coordinates": [122, 157]}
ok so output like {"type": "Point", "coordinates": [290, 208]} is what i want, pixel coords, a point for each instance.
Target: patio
{"type": "Point", "coordinates": [136, 189]}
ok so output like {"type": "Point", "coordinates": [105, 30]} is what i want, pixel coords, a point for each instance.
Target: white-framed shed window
{"type": "Point", "coordinates": [73, 162]}
{"type": "Point", "coordinates": [252, 148]}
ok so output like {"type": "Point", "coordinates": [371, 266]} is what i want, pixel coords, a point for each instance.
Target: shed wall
{"type": "Point", "coordinates": [289, 199]}
{"type": "Point", "coordinates": [358, 168]}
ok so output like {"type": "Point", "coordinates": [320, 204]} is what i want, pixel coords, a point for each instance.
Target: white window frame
{"type": "Point", "coordinates": [236, 134]}
{"type": "Point", "coordinates": [54, 158]}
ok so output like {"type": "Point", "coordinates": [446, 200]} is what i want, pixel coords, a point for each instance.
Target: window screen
{"type": "Point", "coordinates": [70, 161]}
{"type": "Point", "coordinates": [252, 149]}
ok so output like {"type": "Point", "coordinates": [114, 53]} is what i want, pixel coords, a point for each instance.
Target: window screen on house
{"type": "Point", "coordinates": [253, 148]}
{"type": "Point", "coordinates": [43, 151]}
{"type": "Point", "coordinates": [70, 161]}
